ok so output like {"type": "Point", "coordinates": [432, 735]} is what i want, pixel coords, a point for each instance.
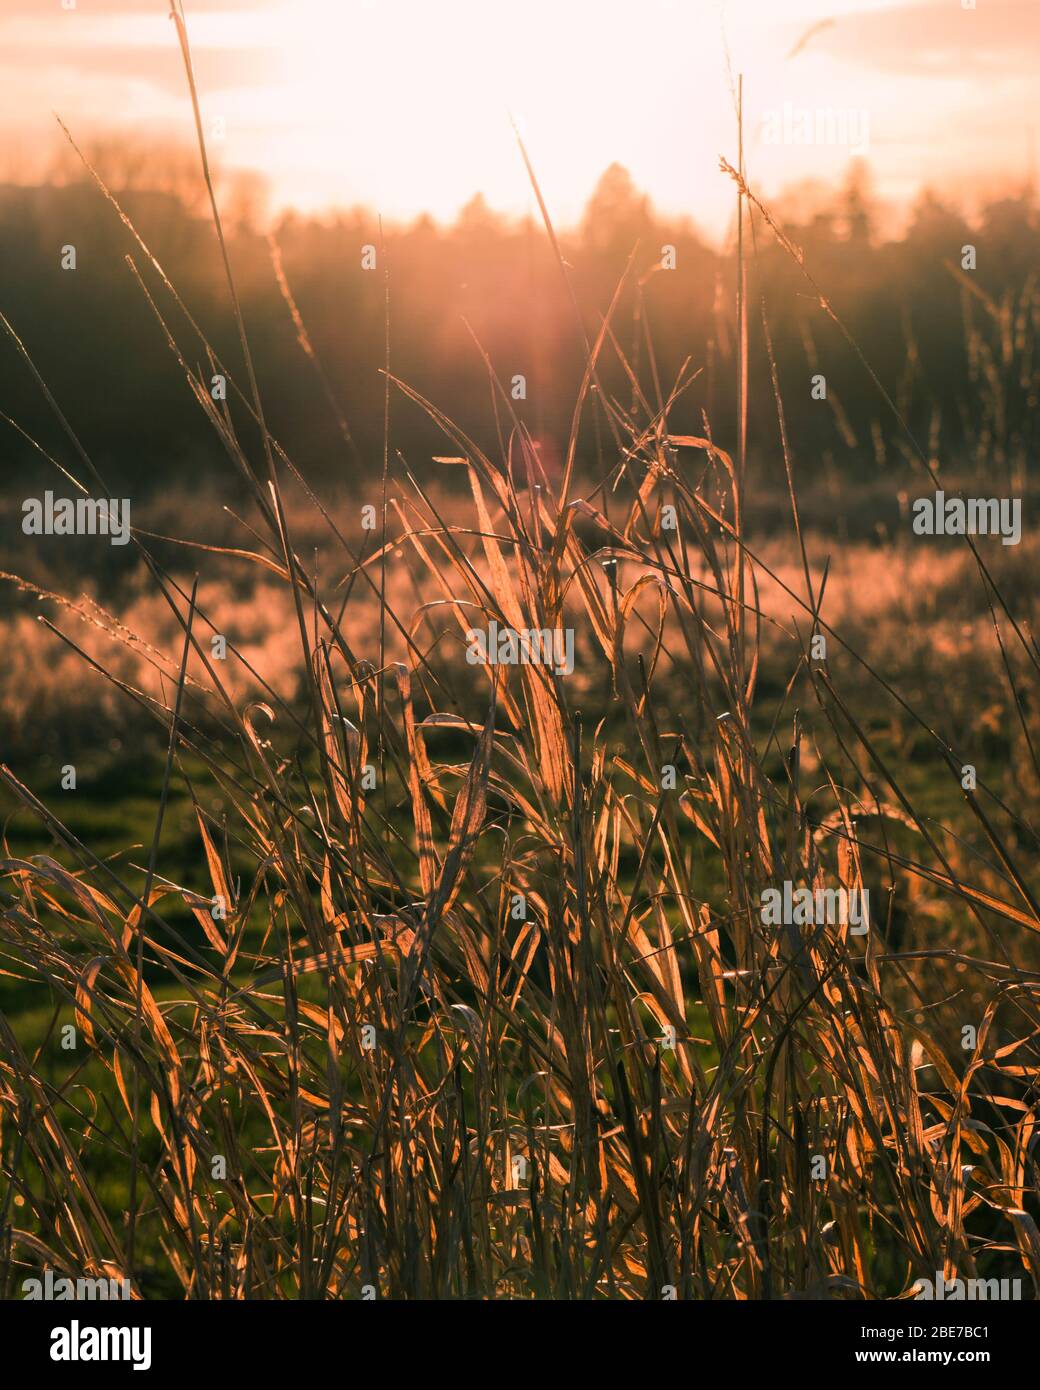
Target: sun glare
{"type": "Point", "coordinates": [410, 105]}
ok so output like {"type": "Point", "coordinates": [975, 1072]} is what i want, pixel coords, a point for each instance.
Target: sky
{"type": "Point", "coordinates": [405, 105]}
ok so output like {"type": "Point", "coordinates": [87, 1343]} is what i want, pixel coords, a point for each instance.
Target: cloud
{"type": "Point", "coordinates": [86, 9]}
{"type": "Point", "coordinates": [119, 39]}
{"type": "Point", "coordinates": [937, 39]}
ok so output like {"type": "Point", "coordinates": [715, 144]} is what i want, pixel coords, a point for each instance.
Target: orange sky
{"type": "Point", "coordinates": [403, 104]}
